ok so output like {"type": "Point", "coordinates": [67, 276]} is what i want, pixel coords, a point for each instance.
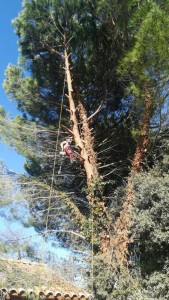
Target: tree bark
{"type": "Point", "coordinates": [121, 237]}
{"type": "Point", "coordinates": [84, 141]}
{"type": "Point", "coordinates": [90, 171]}
{"type": "Point", "coordinates": [142, 144]}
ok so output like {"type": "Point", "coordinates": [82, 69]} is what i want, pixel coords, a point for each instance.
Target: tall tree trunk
{"type": "Point", "coordinates": [84, 142]}
{"type": "Point", "coordinates": [86, 151]}
{"type": "Point", "coordinates": [121, 238]}
{"type": "Point", "coordinates": [142, 144]}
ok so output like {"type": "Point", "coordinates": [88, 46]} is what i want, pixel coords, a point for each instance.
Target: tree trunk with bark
{"type": "Point", "coordinates": [84, 141]}
{"type": "Point", "coordinates": [100, 220]}
{"type": "Point", "coordinates": [121, 238]}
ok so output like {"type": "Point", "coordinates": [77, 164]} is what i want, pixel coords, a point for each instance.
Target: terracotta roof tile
{"type": "Point", "coordinates": [20, 294]}
{"type": "Point", "coordinates": [51, 285]}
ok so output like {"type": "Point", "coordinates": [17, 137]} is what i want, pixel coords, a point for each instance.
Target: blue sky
{"type": "Point", "coordinates": [15, 226]}
{"type": "Point", "coordinates": [9, 54]}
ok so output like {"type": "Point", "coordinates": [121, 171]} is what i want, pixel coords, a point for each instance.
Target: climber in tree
{"type": "Point", "coordinates": [67, 150]}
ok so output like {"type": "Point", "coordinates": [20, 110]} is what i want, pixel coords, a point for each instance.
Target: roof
{"type": "Point", "coordinates": [20, 280]}
{"type": "Point", "coordinates": [21, 294]}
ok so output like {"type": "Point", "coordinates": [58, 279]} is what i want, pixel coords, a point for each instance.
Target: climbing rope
{"type": "Point", "coordinates": [55, 156]}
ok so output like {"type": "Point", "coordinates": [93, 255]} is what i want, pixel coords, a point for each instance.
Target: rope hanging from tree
{"type": "Point", "coordinates": [55, 156]}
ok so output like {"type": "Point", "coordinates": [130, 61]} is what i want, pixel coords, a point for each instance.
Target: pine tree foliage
{"type": "Point", "coordinates": [37, 23]}
{"type": "Point", "coordinates": [146, 63]}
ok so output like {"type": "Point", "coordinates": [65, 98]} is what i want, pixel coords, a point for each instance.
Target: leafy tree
{"type": "Point", "coordinates": [148, 91]}
{"type": "Point", "coordinates": [36, 24]}
{"type": "Point", "coordinates": [150, 223]}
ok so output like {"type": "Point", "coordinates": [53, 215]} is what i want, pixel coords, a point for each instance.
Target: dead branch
{"type": "Point", "coordinates": [53, 50]}
{"type": "Point", "coordinates": [96, 112]}
{"type": "Point", "coordinates": [106, 165]}
{"type": "Point", "coordinates": [68, 231]}
{"type": "Point", "coordinates": [68, 130]}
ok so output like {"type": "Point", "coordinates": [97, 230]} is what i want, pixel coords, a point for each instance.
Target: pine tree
{"type": "Point", "coordinates": [146, 65]}
{"type": "Point", "coordinates": [112, 74]}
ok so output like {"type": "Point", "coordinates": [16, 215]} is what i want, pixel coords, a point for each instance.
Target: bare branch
{"type": "Point", "coordinates": [79, 217]}
{"type": "Point", "coordinates": [68, 231]}
{"type": "Point", "coordinates": [68, 130]}
{"type": "Point", "coordinates": [53, 50]}
{"type": "Point", "coordinates": [96, 112]}
{"type": "Point", "coordinates": [105, 166]}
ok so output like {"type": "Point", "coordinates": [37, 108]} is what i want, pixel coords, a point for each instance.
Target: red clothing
{"type": "Point", "coordinates": [68, 150]}
{"type": "Point", "coordinates": [72, 155]}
